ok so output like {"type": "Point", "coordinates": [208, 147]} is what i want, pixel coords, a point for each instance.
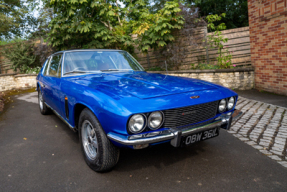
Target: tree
{"type": "Point", "coordinates": [45, 16]}
{"type": "Point", "coordinates": [16, 18]}
{"type": "Point", "coordinates": [236, 11]}
{"type": "Point", "coordinates": [106, 24]}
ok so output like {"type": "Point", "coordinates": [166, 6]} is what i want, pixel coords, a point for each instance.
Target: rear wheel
{"type": "Point", "coordinates": [99, 153]}
{"type": "Point", "coordinates": [43, 107]}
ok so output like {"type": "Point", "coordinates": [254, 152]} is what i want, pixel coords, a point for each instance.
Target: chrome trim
{"type": "Point", "coordinates": [223, 121]}
{"type": "Point", "coordinates": [62, 71]}
{"type": "Point", "coordinates": [187, 131]}
{"type": "Point", "coordinates": [71, 127]}
{"type": "Point", "coordinates": [125, 141]}
{"type": "Point", "coordinates": [163, 135]}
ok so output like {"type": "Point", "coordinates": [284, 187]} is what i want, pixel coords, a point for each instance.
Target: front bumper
{"type": "Point", "coordinates": [142, 140]}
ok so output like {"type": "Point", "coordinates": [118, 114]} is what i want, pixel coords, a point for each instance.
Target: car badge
{"type": "Point", "coordinates": [194, 97]}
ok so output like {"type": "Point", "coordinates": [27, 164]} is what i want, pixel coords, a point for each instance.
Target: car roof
{"type": "Point", "coordinates": [76, 50]}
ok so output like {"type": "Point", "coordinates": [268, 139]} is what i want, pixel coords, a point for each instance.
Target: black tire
{"type": "Point", "coordinates": [107, 155]}
{"type": "Point", "coordinates": [45, 110]}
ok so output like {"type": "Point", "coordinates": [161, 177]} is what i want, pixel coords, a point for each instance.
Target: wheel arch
{"type": "Point", "coordinates": [78, 108]}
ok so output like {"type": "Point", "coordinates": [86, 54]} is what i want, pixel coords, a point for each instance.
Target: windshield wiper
{"type": "Point", "coordinates": [116, 70]}
{"type": "Point", "coordinates": [78, 71]}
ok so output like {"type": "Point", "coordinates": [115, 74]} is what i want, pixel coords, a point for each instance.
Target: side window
{"type": "Point", "coordinates": [59, 69]}
{"type": "Point", "coordinates": [46, 66]}
{"type": "Point", "coordinates": [54, 65]}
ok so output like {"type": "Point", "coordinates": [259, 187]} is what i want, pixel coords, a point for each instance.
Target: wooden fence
{"type": "Point", "coordinates": [5, 64]}
{"type": "Point", "coordinates": [238, 44]}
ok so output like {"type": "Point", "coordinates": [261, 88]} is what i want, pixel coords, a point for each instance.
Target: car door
{"type": "Point", "coordinates": [42, 78]}
{"type": "Point", "coordinates": [52, 83]}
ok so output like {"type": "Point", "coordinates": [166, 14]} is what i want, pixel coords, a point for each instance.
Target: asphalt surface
{"type": "Point", "coordinates": [40, 153]}
{"type": "Point", "coordinates": [266, 97]}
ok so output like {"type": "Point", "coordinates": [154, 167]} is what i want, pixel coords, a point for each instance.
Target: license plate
{"type": "Point", "coordinates": [200, 136]}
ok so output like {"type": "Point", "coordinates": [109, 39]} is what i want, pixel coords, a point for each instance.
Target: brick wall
{"type": "Point", "coordinates": [268, 41]}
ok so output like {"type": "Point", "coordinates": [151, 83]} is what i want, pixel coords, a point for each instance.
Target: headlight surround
{"type": "Point", "coordinates": [137, 123]}
{"type": "Point", "coordinates": [155, 120]}
{"type": "Point", "coordinates": [222, 105]}
{"type": "Point", "coordinates": [230, 103]}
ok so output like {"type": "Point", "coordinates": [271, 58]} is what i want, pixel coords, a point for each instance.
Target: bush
{"type": "Point", "coordinates": [26, 57]}
{"type": "Point", "coordinates": [202, 66]}
{"type": "Point", "coordinates": [21, 56]}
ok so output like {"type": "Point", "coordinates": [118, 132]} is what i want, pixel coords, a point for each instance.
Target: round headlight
{"type": "Point", "coordinates": [231, 102]}
{"type": "Point", "coordinates": [137, 123]}
{"type": "Point", "coordinates": [155, 120]}
{"type": "Point", "coordinates": [222, 105]}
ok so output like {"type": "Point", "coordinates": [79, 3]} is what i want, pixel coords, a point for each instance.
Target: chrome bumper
{"type": "Point", "coordinates": [224, 121]}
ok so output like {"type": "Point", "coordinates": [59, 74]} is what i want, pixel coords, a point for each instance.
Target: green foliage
{"type": "Point", "coordinates": [34, 70]}
{"type": "Point", "coordinates": [105, 24]}
{"type": "Point", "coordinates": [21, 55]}
{"type": "Point", "coordinates": [224, 59]}
{"type": "Point", "coordinates": [15, 40]}
{"type": "Point", "coordinates": [46, 14]}
{"type": "Point", "coordinates": [155, 30]}
{"type": "Point", "coordinates": [216, 40]}
{"type": "Point", "coordinates": [236, 11]}
{"type": "Point", "coordinates": [16, 18]}
{"type": "Point", "coordinates": [202, 66]}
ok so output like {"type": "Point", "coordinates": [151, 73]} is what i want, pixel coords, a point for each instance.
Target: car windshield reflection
{"type": "Point", "coordinates": [77, 62]}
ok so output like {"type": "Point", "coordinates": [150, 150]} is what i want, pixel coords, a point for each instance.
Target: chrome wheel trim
{"type": "Point", "coordinates": [89, 140]}
{"type": "Point", "coordinates": [41, 101]}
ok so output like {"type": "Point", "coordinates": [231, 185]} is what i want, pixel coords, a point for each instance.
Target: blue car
{"type": "Point", "coordinates": [108, 98]}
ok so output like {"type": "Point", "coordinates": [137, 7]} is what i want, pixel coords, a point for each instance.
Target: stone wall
{"type": "Point", "coordinates": [14, 81]}
{"type": "Point", "coordinates": [268, 41]}
{"type": "Point", "coordinates": [240, 79]}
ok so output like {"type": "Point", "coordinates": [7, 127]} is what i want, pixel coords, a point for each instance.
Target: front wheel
{"type": "Point", "coordinates": [99, 153]}
{"type": "Point", "coordinates": [43, 107]}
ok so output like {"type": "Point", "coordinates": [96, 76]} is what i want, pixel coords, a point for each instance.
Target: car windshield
{"type": "Point", "coordinates": [99, 61]}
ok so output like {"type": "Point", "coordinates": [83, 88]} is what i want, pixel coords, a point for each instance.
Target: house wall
{"type": "Point", "coordinates": [268, 42]}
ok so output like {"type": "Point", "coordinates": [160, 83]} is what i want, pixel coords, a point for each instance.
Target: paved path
{"type": "Point", "coordinates": [40, 153]}
{"type": "Point", "coordinates": [264, 127]}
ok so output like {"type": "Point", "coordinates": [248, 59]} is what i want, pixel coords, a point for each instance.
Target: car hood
{"type": "Point", "coordinates": [143, 85]}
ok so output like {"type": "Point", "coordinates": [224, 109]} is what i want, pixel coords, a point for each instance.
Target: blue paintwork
{"type": "Point", "coordinates": [114, 96]}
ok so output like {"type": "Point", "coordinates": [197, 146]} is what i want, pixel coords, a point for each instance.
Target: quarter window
{"type": "Point", "coordinates": [46, 66]}
{"type": "Point", "coordinates": [54, 65]}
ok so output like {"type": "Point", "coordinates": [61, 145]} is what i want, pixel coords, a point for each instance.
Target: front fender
{"type": "Point", "coordinates": [111, 114]}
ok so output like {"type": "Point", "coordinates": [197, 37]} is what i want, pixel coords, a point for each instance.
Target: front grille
{"type": "Point", "coordinates": [189, 115]}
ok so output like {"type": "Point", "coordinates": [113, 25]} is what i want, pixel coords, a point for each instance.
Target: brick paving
{"type": "Point", "coordinates": [264, 127]}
